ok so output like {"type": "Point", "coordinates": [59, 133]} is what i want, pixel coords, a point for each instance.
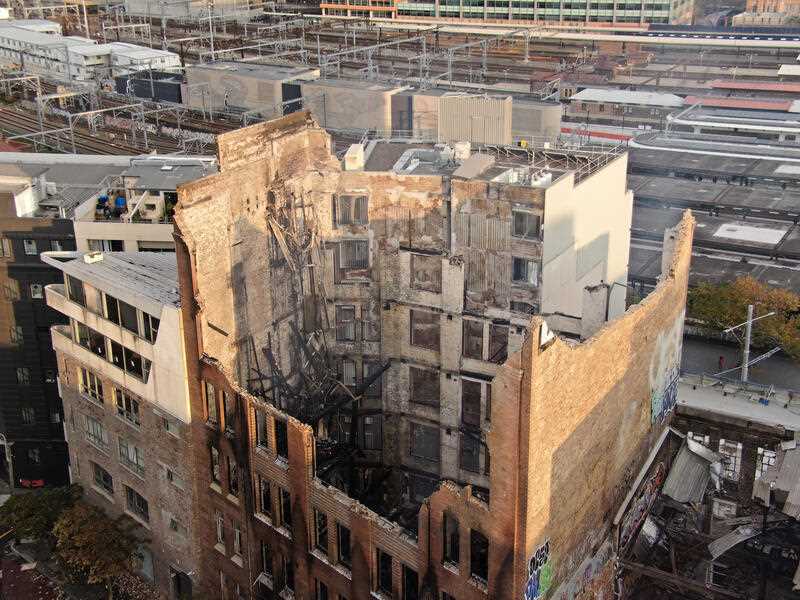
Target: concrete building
{"type": "Point", "coordinates": [622, 107]}
{"type": "Point", "coordinates": [768, 13]}
{"type": "Point", "coordinates": [382, 414]}
{"type": "Point", "coordinates": [466, 11]}
{"type": "Point", "coordinates": [122, 378]}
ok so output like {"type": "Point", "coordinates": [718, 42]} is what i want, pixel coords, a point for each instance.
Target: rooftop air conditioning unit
{"type": "Point", "coordinates": [92, 257]}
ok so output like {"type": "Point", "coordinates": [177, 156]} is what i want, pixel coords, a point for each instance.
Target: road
{"type": "Point", "coordinates": [702, 356]}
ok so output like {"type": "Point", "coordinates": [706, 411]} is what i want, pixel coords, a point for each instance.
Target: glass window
{"type": "Point", "coordinates": [131, 456]}
{"type": "Point", "coordinates": [264, 496]}
{"type": "Point", "coordinates": [352, 259]}
{"type": "Point", "coordinates": [343, 535]}
{"type": "Point", "coordinates": [212, 415]}
{"type": "Point", "coordinates": [351, 210]}
{"type": "Point", "coordinates": [103, 478]}
{"type": "Point", "coordinates": [150, 327]}
{"type": "Point", "coordinates": [112, 309]}
{"type": "Point", "coordinates": [91, 385]}
{"type": "Point", "coordinates": [229, 410]}
{"type": "Point", "coordinates": [478, 555]}
{"type": "Point", "coordinates": [384, 561]}
{"type": "Point", "coordinates": [321, 531]}
{"type": "Point", "coordinates": [129, 318]}
{"type": "Point", "coordinates": [37, 291]}
{"type": "Point", "coordinates": [345, 323]}
{"type": "Point", "coordinates": [266, 558]}
{"type": "Point", "coordinates": [28, 415]}
{"type": "Point", "coordinates": [470, 458]}
{"type": "Point", "coordinates": [75, 290]}
{"type": "Point", "coordinates": [30, 247]}
{"type": "Point", "coordinates": [23, 375]}
{"type": "Point", "coordinates": [498, 343]}
{"type": "Point", "coordinates": [233, 477]}
{"type": "Point", "coordinates": [526, 224]}
{"type": "Point", "coordinates": [137, 504]}
{"type": "Point", "coordinates": [237, 538]}
{"type": "Point", "coordinates": [286, 508]}
{"type": "Point", "coordinates": [215, 465]}
{"type": "Point", "coordinates": [96, 433]}
{"type": "Point", "coordinates": [451, 539]}
{"type": "Point", "coordinates": [127, 407]}
{"type": "Point", "coordinates": [525, 270]}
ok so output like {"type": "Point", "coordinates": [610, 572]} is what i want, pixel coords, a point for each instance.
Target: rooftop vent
{"type": "Point", "coordinates": [167, 167]}
{"type": "Point", "coordinates": [92, 257]}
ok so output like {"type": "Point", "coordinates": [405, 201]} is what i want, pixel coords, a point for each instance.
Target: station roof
{"type": "Point", "coordinates": [256, 71]}
{"type": "Point", "coordinates": [628, 97]}
{"type": "Point", "coordinates": [742, 103]}
{"type": "Point", "coordinates": [727, 118]}
{"type": "Point", "coordinates": [761, 86]}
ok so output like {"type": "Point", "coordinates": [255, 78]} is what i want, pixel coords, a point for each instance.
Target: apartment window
{"type": "Point", "coordinates": [30, 247]}
{"type": "Point", "coordinates": [410, 583]}
{"type": "Point", "coordinates": [11, 290]}
{"type": "Point", "coordinates": [150, 324]}
{"type": "Point", "coordinates": [384, 572]}
{"type": "Point", "coordinates": [343, 547]}
{"type": "Point", "coordinates": [352, 258]}
{"type": "Point", "coordinates": [371, 434]}
{"type": "Point", "coordinates": [212, 415]}
{"type": "Point", "coordinates": [264, 497]}
{"type": "Point", "coordinates": [127, 407]}
{"type": "Point", "coordinates": [106, 245]}
{"type": "Point", "coordinates": [137, 504]}
{"type": "Point", "coordinates": [131, 456]}
{"type": "Point", "coordinates": [288, 573]}
{"type": "Point", "coordinates": [17, 334]}
{"type": "Point", "coordinates": [23, 375]}
{"type": "Point", "coordinates": [732, 453]}
{"type": "Point", "coordinates": [525, 308]}
{"type": "Point", "coordinates": [128, 317]}
{"type": "Point", "coordinates": [766, 458]}
{"type": "Point", "coordinates": [129, 361]}
{"type": "Point", "coordinates": [36, 290]}
{"type": "Point", "coordinates": [425, 329]}
{"type": "Point", "coordinates": [286, 508]}
{"type": "Point", "coordinates": [112, 309]}
{"type": "Point", "coordinates": [5, 248]}
{"type": "Point", "coordinates": [498, 343]}
{"type": "Point", "coordinates": [350, 210]}
{"type": "Point", "coordinates": [470, 453]}
{"type": "Point", "coordinates": [28, 415]}
{"type": "Point", "coordinates": [471, 402]}
{"type": "Point", "coordinates": [424, 386]}
{"type": "Point", "coordinates": [426, 272]}
{"type": "Point", "coordinates": [266, 558]}
{"type": "Point", "coordinates": [219, 522]}
{"type": "Point", "coordinates": [473, 339]}
{"type": "Point", "coordinates": [56, 245]}
{"type": "Point", "coordinates": [369, 368]}
{"type": "Point", "coordinates": [425, 442]}
{"type": "Point", "coordinates": [321, 531]}
{"type": "Point", "coordinates": [321, 590]}
{"type": "Point", "coordinates": [237, 539]}
{"type": "Point", "coordinates": [281, 439]}
{"type": "Point", "coordinates": [91, 385]}
{"type": "Point", "coordinates": [215, 467]}
{"type": "Point", "coordinates": [75, 290]}
{"type": "Point", "coordinates": [229, 409]}
{"type": "Point", "coordinates": [450, 534]}
{"type": "Point", "coordinates": [233, 477]}
{"type": "Point", "coordinates": [261, 429]}
{"type": "Point", "coordinates": [96, 433]}
{"type": "Point", "coordinates": [525, 224]}
{"type": "Point", "coordinates": [90, 339]}
{"type": "Point", "coordinates": [525, 270]}
{"type": "Point", "coordinates": [345, 323]}
{"type": "Point", "coordinates": [103, 479]}
{"type": "Point", "coordinates": [478, 556]}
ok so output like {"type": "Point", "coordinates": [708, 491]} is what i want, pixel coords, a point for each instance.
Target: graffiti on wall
{"type": "Point", "coordinates": [665, 366]}
{"type": "Point", "coordinates": [540, 573]}
{"type": "Point", "coordinates": [585, 578]}
{"type": "Point", "coordinates": [640, 506]}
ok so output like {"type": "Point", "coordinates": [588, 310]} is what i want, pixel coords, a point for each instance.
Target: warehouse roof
{"type": "Point", "coordinates": [628, 97]}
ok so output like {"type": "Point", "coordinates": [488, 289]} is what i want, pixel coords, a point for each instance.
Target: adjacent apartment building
{"type": "Point", "coordinates": [415, 376]}
{"type": "Point", "coordinates": [122, 377]}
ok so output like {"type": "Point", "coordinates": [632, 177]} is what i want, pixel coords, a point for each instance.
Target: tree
{"type": "Point", "coordinates": [33, 514]}
{"type": "Point", "coordinates": [89, 542]}
{"type": "Point", "coordinates": [718, 307]}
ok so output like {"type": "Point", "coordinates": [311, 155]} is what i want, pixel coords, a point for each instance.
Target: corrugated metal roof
{"type": "Point", "coordinates": [744, 103]}
{"type": "Point", "coordinates": [628, 97]}
{"type": "Point", "coordinates": [690, 472]}
{"type": "Point", "coordinates": [764, 86]}
{"type": "Point", "coordinates": [742, 533]}
{"type": "Point", "coordinates": [783, 476]}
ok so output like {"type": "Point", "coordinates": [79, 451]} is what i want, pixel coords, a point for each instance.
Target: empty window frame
{"type": "Point", "coordinates": [75, 290]}
{"type": "Point", "coordinates": [347, 372]}
{"type": "Point", "coordinates": [102, 479]}
{"type": "Point", "coordinates": [28, 415]}
{"type": "Point", "coordinates": [470, 454]}
{"type": "Point", "coordinates": [471, 402]}
{"type": "Point", "coordinates": [450, 538]}
{"type": "Point", "coordinates": [321, 531]}
{"type": "Point", "coordinates": [732, 462]}
{"type": "Point", "coordinates": [266, 558]}
{"type": "Point", "coordinates": [426, 272]}
{"type": "Point", "coordinates": [371, 322]}
{"type": "Point", "coordinates": [478, 556]}
{"type": "Point", "coordinates": [321, 590]}
{"type": "Point", "coordinates": [345, 323]}
{"type": "Point", "coordinates": [343, 547]}
{"type": "Point", "coordinates": [219, 523]}
{"type": "Point", "coordinates": [262, 440]}
{"type": "Point", "coordinates": [137, 504]}
{"type": "Point", "coordinates": [498, 343]}
{"type": "Point", "coordinates": [352, 260]}
{"type": "Point", "coordinates": [525, 308]}
{"type": "Point", "coordinates": [233, 476]}
{"type": "Point", "coordinates": [281, 439]}
{"type": "Point", "coordinates": [127, 407]}
{"type": "Point", "coordinates": [90, 339]}
{"type": "Point", "coordinates": [369, 367]}
{"type": "Point", "coordinates": [23, 375]}
{"type": "Point", "coordinates": [264, 496]}
{"type": "Point", "coordinates": [5, 248]}
{"type": "Point", "coordinates": [212, 412]}
{"type": "Point", "coordinates": [91, 385]}
{"type": "Point", "coordinates": [472, 346]}
{"type": "Point", "coordinates": [384, 572]}
{"type": "Point", "coordinates": [425, 329]}
{"type": "Point", "coordinates": [350, 210]}
{"type": "Point", "coordinates": [237, 538]}
{"type": "Point", "coordinates": [410, 584]}
{"type": "Point", "coordinates": [285, 499]}
{"type": "Point", "coordinates": [229, 410]}
{"type": "Point", "coordinates": [424, 386]}
{"type": "Point", "coordinates": [215, 465]}
{"type": "Point", "coordinates": [128, 317]}
{"type": "Point", "coordinates": [371, 432]}
{"type": "Point", "coordinates": [425, 442]}
{"type": "Point", "coordinates": [525, 224]}
{"type": "Point", "coordinates": [150, 327]}
{"type": "Point", "coordinates": [287, 569]}
{"type": "Point", "coordinates": [30, 247]}
{"type": "Point", "coordinates": [524, 271]}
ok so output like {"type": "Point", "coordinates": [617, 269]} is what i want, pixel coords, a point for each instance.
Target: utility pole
{"type": "Point", "coordinates": [748, 332]}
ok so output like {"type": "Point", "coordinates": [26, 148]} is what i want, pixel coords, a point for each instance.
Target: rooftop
{"type": "Point", "coordinates": [762, 86]}
{"type": "Point", "coordinates": [628, 97]}
{"type": "Point", "coordinates": [742, 103]}
{"type": "Point", "coordinates": [757, 120]}
{"type": "Point", "coordinates": [150, 277]}
{"type": "Point", "coordinates": [167, 173]}
{"type": "Point", "coordinates": [256, 71]}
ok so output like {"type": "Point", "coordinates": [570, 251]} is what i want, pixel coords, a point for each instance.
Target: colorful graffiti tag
{"type": "Point", "coordinates": [540, 573]}
{"type": "Point", "coordinates": [585, 579]}
{"type": "Point", "coordinates": [665, 365]}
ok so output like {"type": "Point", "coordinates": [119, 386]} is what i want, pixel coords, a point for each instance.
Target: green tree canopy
{"type": "Point", "coordinates": [90, 542]}
{"type": "Point", "coordinates": [718, 307]}
{"type": "Point", "coordinates": [33, 514]}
